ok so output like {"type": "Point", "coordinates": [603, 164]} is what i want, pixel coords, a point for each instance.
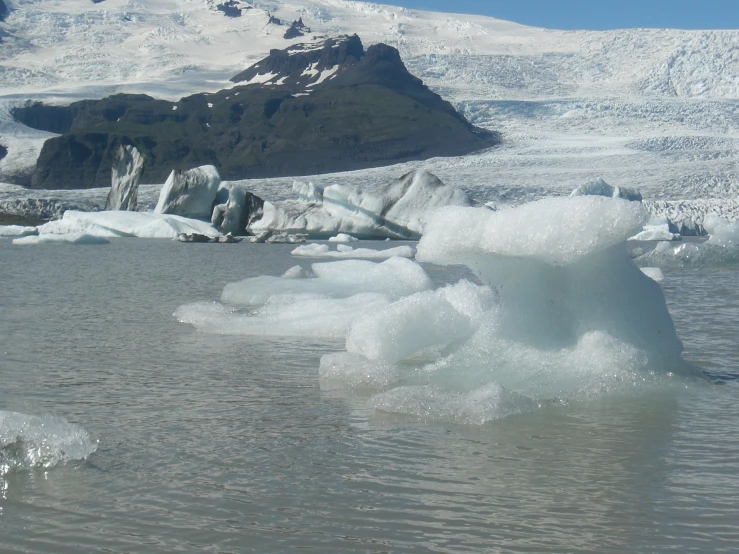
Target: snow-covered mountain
{"type": "Point", "coordinates": [647, 108]}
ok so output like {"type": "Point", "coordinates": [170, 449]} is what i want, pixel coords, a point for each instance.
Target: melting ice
{"type": "Point", "coordinates": [560, 313]}
{"type": "Point", "coordinates": [28, 442]}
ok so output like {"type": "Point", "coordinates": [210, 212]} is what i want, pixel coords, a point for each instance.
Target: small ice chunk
{"type": "Point", "coordinates": [343, 237]}
{"type": "Point", "coordinates": [653, 273]}
{"type": "Point", "coordinates": [28, 442]}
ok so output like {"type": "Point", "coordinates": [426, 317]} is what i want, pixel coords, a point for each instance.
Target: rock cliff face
{"type": "Point", "coordinates": [312, 108]}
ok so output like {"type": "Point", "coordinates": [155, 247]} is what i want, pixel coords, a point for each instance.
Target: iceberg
{"type": "Point", "coordinates": [128, 163]}
{"type": "Point", "coordinates": [393, 211]}
{"type": "Point", "coordinates": [190, 193]}
{"type": "Point", "coordinates": [126, 224]}
{"type": "Point", "coordinates": [237, 212]}
{"type": "Point", "coordinates": [344, 251]}
{"type": "Point", "coordinates": [600, 188]}
{"type": "Point", "coordinates": [562, 313]}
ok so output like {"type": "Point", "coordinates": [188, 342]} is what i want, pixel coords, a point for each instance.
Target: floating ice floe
{"type": "Point", "coordinates": [17, 231]}
{"type": "Point", "coordinates": [393, 211]}
{"type": "Point", "coordinates": [396, 277]}
{"type": "Point", "coordinates": [29, 442]}
{"type": "Point", "coordinates": [70, 238]}
{"type": "Point", "coordinates": [721, 248]}
{"type": "Point", "coordinates": [126, 224]}
{"type": "Point", "coordinates": [344, 251]}
{"type": "Point", "coordinates": [657, 228]}
{"type": "Point", "coordinates": [322, 302]}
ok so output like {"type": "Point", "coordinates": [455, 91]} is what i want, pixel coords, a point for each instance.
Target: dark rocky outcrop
{"type": "Point", "coordinates": [297, 29]}
{"type": "Point", "coordinates": [273, 20]}
{"type": "Point", "coordinates": [3, 151]}
{"type": "Point", "coordinates": [314, 108]}
{"type": "Point", "coordinates": [231, 8]}
{"type": "Point", "coordinates": [125, 174]}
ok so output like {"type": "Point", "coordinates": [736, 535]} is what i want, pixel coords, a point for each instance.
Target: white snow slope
{"type": "Point", "coordinates": [657, 110]}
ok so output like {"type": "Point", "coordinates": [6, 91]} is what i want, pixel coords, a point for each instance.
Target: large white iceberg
{"type": "Point", "coordinates": [393, 211]}
{"type": "Point", "coordinates": [561, 313]}
{"type": "Point", "coordinates": [126, 224]}
{"type": "Point", "coordinates": [567, 315]}
{"type": "Point", "coordinates": [190, 193]}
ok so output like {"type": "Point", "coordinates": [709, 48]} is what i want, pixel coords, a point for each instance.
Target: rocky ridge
{"type": "Point", "coordinates": [314, 108]}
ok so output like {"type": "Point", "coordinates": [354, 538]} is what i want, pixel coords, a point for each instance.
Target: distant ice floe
{"type": "Point", "coordinates": [17, 231]}
{"type": "Point", "coordinates": [30, 442]}
{"type": "Point", "coordinates": [562, 313]}
{"type": "Point", "coordinates": [343, 237]}
{"type": "Point", "coordinates": [721, 248]}
{"type": "Point", "coordinates": [70, 238]}
{"type": "Point", "coordinates": [126, 224]}
{"type": "Point", "coordinates": [657, 228]}
{"type": "Point", "coordinates": [344, 251]}
{"type": "Point", "coordinates": [393, 211]}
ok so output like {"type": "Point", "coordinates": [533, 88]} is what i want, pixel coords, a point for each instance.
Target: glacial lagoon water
{"type": "Point", "coordinates": [227, 443]}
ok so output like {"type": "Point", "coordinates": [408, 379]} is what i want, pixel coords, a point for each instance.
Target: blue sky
{"type": "Point", "coordinates": [595, 14]}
